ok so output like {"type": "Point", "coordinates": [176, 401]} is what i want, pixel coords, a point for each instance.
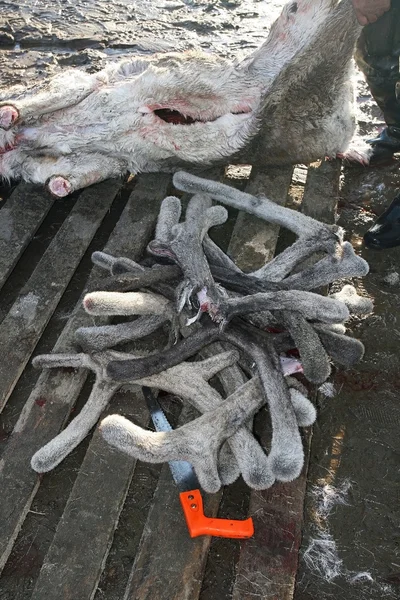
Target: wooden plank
{"type": "Point", "coordinates": [53, 397]}
{"type": "Point", "coordinates": [90, 516]}
{"type": "Point", "coordinates": [20, 218]}
{"type": "Point", "coordinates": [268, 562]}
{"type": "Point", "coordinates": [253, 240]}
{"type": "Point", "coordinates": [253, 574]}
{"type": "Point", "coordinates": [321, 191]}
{"type": "Point", "coordinates": [170, 564]}
{"type": "Point", "coordinates": [175, 569]}
{"type": "Point", "coordinates": [30, 313]}
{"type": "Point", "coordinates": [252, 244]}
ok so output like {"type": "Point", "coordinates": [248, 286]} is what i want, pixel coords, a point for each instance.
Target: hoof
{"type": "Point", "coordinates": [7, 148]}
{"type": "Point", "coordinates": [354, 157]}
{"type": "Point", "coordinates": [8, 116]}
{"type": "Point", "coordinates": [59, 186]}
{"type": "Point", "coordinates": [8, 141]}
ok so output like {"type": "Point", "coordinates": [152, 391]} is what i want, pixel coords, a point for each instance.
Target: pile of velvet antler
{"type": "Point", "coordinates": [241, 324]}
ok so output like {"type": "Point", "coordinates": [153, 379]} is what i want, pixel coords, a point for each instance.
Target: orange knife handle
{"type": "Point", "coordinates": [199, 524]}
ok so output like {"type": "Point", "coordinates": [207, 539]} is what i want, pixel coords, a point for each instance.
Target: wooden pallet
{"type": "Point", "coordinates": [83, 545]}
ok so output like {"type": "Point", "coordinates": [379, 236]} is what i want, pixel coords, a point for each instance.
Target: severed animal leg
{"type": "Point", "coordinates": [64, 174]}
{"type": "Point", "coordinates": [63, 90]}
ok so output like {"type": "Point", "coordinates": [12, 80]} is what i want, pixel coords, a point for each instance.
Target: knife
{"type": "Point", "coordinates": [189, 489]}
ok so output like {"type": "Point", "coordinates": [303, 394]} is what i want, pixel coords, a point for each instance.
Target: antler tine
{"type": "Point", "coordinates": [196, 211]}
{"type": "Point", "coordinates": [52, 361]}
{"type": "Point", "coordinates": [311, 306]}
{"type": "Point", "coordinates": [357, 305]}
{"type": "Point", "coordinates": [50, 455]}
{"type": "Point", "coordinates": [284, 263]}
{"type": "Point", "coordinates": [258, 206]}
{"type": "Point", "coordinates": [304, 409]}
{"type": "Point", "coordinates": [198, 442]}
{"type": "Point", "coordinates": [96, 339]}
{"type": "Point", "coordinates": [342, 349]}
{"type": "Point", "coordinates": [201, 215]}
{"type": "Point", "coordinates": [116, 265]}
{"type": "Point", "coordinates": [127, 303]}
{"type": "Point", "coordinates": [103, 260]}
{"type": "Point", "coordinates": [313, 357]}
{"type": "Point", "coordinates": [169, 215]}
{"type": "Point", "coordinates": [329, 269]}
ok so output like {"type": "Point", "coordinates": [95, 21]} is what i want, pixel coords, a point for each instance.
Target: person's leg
{"type": "Point", "coordinates": [377, 55]}
{"type": "Point", "coordinates": [385, 232]}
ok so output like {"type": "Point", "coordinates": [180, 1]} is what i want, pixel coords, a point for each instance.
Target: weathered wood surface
{"type": "Point", "coordinates": [22, 327]}
{"type": "Point", "coordinates": [99, 492]}
{"type": "Point", "coordinates": [321, 191]}
{"type": "Point", "coordinates": [91, 513]}
{"type": "Point", "coordinates": [56, 392]}
{"type": "Point", "coordinates": [21, 217]}
{"type": "Point", "coordinates": [268, 562]}
{"type": "Point", "coordinates": [169, 565]}
{"type": "Point", "coordinates": [253, 240]}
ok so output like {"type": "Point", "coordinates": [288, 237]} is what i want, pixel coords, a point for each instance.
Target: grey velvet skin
{"type": "Point", "coordinates": [189, 380]}
{"type": "Point", "coordinates": [183, 378]}
{"type": "Point", "coordinates": [260, 314]}
{"type": "Point", "coordinates": [182, 243]}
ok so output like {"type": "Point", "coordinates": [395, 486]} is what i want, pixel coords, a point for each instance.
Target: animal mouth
{"type": "Point", "coordinates": [174, 117]}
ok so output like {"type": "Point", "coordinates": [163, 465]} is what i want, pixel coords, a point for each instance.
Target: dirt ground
{"type": "Point", "coordinates": [350, 549]}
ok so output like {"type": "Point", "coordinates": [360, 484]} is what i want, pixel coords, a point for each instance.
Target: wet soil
{"type": "Point", "coordinates": [356, 437]}
{"type": "Point", "coordinates": [355, 445]}
{"type": "Point", "coordinates": [38, 37]}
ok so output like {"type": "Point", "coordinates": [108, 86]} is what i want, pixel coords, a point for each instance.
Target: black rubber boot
{"type": "Point", "coordinates": [377, 56]}
{"type": "Point", "coordinates": [385, 232]}
{"type": "Point", "coordinates": [384, 146]}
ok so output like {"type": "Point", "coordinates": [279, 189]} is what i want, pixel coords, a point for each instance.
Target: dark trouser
{"type": "Point", "coordinates": [377, 55]}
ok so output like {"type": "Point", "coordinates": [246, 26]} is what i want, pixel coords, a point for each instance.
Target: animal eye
{"type": "Point", "coordinates": [293, 7]}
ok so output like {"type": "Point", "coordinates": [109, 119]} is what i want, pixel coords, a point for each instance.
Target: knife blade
{"type": "Point", "coordinates": [188, 485]}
